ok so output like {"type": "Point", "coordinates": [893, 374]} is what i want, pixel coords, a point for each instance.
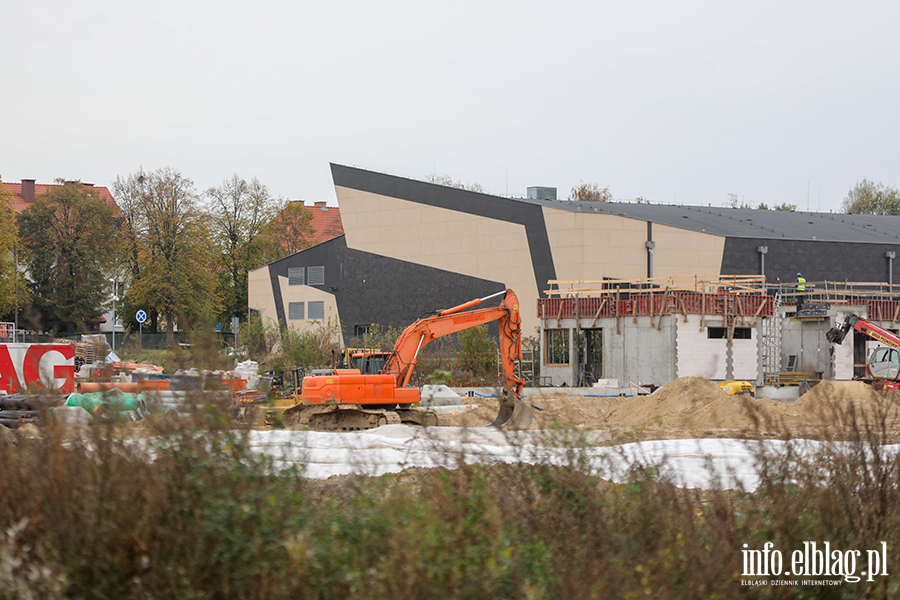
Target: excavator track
{"type": "Point", "coordinates": [338, 417]}
{"type": "Point", "coordinates": [353, 417]}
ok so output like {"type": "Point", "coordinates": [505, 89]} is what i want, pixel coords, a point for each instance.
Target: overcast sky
{"type": "Point", "coordinates": [680, 102]}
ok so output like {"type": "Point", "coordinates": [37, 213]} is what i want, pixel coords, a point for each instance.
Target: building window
{"type": "Point", "coordinates": [295, 311]}
{"type": "Point", "coordinates": [361, 330]}
{"type": "Point", "coordinates": [721, 333]}
{"type": "Point", "coordinates": [556, 346]}
{"type": "Point", "coordinates": [296, 276]}
{"type": "Point", "coordinates": [316, 310]}
{"type": "Point", "coordinates": [317, 276]}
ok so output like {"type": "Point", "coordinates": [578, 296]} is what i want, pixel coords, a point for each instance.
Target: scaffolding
{"type": "Point", "coordinates": [771, 339]}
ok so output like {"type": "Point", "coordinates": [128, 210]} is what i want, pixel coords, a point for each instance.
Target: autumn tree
{"type": "Point", "coordinates": [869, 198]}
{"type": "Point", "coordinates": [172, 256]}
{"type": "Point", "coordinates": [12, 285]}
{"type": "Point", "coordinates": [590, 192]}
{"type": "Point", "coordinates": [289, 232]}
{"type": "Point", "coordinates": [239, 210]}
{"type": "Point", "coordinates": [68, 235]}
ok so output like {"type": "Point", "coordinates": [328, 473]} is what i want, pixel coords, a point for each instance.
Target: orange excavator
{"type": "Point", "coordinates": [347, 399]}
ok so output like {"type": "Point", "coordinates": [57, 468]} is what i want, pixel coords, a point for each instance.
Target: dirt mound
{"type": "Point", "coordinates": [843, 404]}
{"type": "Point", "coordinates": [689, 403]}
{"type": "Point", "coordinates": [693, 406]}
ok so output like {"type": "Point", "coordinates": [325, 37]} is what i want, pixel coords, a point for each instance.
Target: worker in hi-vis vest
{"type": "Point", "coordinates": [801, 287]}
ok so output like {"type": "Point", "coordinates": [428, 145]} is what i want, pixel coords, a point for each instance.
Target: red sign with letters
{"type": "Point", "coordinates": [49, 365]}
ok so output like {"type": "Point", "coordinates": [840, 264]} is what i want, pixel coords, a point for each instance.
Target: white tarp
{"type": "Point", "coordinates": [691, 463]}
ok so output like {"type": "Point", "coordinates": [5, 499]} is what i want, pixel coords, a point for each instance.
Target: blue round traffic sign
{"type": "Point", "coordinates": [141, 316]}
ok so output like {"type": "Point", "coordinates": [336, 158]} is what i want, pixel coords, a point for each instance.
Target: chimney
{"type": "Point", "coordinates": [28, 190]}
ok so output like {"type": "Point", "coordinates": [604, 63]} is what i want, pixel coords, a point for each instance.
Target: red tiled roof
{"type": "Point", "coordinates": [19, 203]}
{"type": "Point", "coordinates": [326, 221]}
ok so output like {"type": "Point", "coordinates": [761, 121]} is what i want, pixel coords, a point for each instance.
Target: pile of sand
{"type": "Point", "coordinates": [695, 406]}
{"type": "Point", "coordinates": [844, 404]}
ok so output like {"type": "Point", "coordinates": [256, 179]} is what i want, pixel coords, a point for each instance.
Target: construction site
{"type": "Point", "coordinates": [650, 332]}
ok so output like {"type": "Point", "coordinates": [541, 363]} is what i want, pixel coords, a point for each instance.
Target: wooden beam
{"type": "Point", "coordinates": [758, 310]}
{"type": "Point", "coordinates": [683, 309]}
{"type": "Point", "coordinates": [559, 314]}
{"type": "Point", "coordinates": [618, 331]}
{"type": "Point", "coordinates": [896, 314]}
{"type": "Point", "coordinates": [597, 316]}
{"type": "Point", "coordinates": [663, 309]}
{"type": "Point", "coordinates": [703, 310]}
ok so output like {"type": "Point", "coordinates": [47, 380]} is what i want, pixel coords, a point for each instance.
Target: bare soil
{"type": "Point", "coordinates": [697, 407]}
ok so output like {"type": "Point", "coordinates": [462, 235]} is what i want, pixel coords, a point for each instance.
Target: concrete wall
{"type": "Point", "coordinates": [639, 354]}
{"type": "Point", "coordinates": [701, 356]}
{"type": "Point", "coordinates": [842, 354]}
{"type": "Point", "coordinates": [806, 340]}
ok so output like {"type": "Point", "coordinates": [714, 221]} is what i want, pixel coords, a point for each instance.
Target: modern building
{"type": "Point", "coordinates": [411, 247]}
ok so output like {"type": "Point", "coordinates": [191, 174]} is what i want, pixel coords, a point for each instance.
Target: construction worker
{"type": "Point", "coordinates": [801, 287]}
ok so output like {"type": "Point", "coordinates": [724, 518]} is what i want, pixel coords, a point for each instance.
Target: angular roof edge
{"type": "Point", "coordinates": [726, 222]}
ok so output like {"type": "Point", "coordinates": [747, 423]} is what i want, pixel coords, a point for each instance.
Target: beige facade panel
{"type": "Point", "coordinates": [307, 294]}
{"type": "Point", "coordinates": [590, 246]}
{"type": "Point", "coordinates": [698, 252]}
{"type": "Point", "coordinates": [261, 298]}
{"type": "Point", "coordinates": [444, 239]}
{"type": "Point", "coordinates": [260, 295]}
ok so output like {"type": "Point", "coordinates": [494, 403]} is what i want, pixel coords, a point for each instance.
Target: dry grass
{"type": "Point", "coordinates": [90, 516]}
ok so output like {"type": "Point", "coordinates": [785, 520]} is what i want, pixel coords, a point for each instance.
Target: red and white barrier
{"type": "Point", "coordinates": [49, 365]}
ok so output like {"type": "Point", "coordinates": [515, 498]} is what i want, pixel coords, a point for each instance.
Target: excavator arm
{"type": "Point", "coordinates": [403, 358]}
{"type": "Point", "coordinates": [836, 335]}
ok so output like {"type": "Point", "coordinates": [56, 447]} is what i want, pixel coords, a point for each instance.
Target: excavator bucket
{"type": "Point", "coordinates": [513, 413]}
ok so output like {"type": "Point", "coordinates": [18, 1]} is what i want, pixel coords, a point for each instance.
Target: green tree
{"type": "Point", "coordinates": [239, 210]}
{"type": "Point", "coordinates": [172, 258]}
{"type": "Point", "coordinates": [869, 198]}
{"type": "Point", "coordinates": [13, 289]}
{"type": "Point", "coordinates": [477, 351]}
{"type": "Point", "coordinates": [69, 235]}
{"type": "Point", "coordinates": [590, 192]}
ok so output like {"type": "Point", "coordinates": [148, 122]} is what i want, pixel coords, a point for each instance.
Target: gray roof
{"type": "Point", "coordinates": [749, 223]}
{"type": "Point", "coordinates": [727, 222]}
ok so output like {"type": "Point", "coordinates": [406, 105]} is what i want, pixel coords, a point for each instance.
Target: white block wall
{"type": "Point", "coordinates": [699, 356]}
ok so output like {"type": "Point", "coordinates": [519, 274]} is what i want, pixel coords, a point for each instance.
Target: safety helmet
{"type": "Point", "coordinates": [798, 274]}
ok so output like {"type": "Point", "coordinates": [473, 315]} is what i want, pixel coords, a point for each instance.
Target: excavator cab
{"type": "Point", "coordinates": [884, 363]}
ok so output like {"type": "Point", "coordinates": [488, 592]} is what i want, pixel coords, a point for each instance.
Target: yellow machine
{"type": "Point", "coordinates": [737, 388]}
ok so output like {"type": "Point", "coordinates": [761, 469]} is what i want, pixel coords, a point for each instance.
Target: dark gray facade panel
{"type": "Point", "coordinates": [369, 288]}
{"type": "Point", "coordinates": [818, 261]}
{"type": "Point", "coordinates": [530, 216]}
